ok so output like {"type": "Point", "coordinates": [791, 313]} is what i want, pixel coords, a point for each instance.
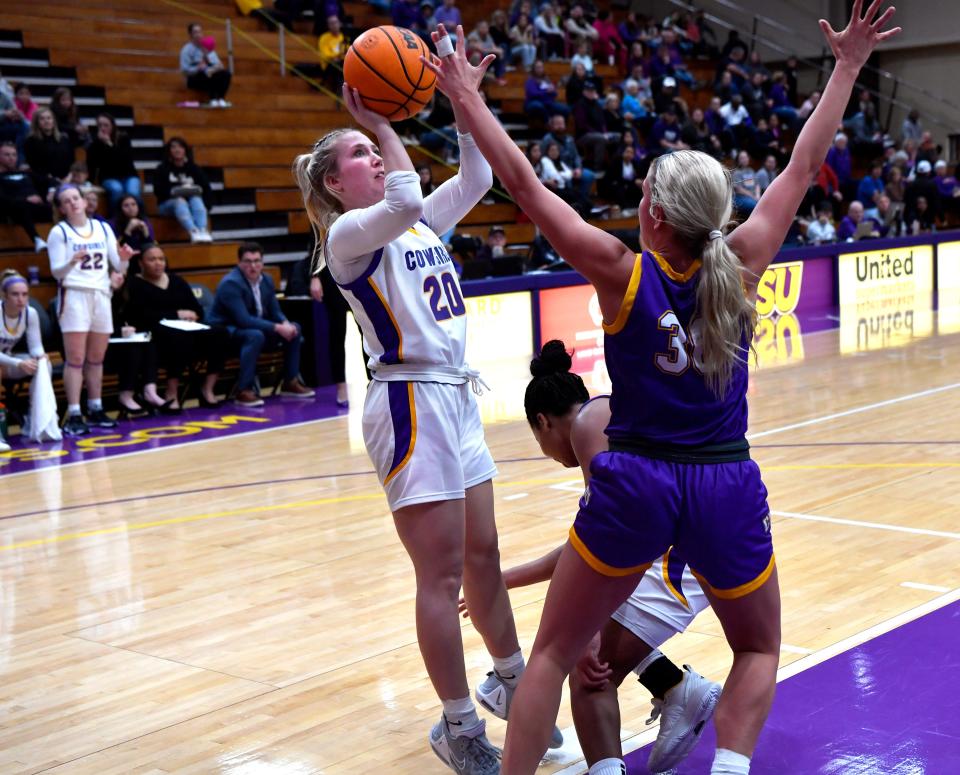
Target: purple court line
{"type": "Point", "coordinates": [888, 705]}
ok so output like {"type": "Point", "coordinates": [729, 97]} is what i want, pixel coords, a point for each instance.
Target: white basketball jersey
{"type": "Point", "coordinates": [99, 244]}
{"type": "Point", "coordinates": [409, 305]}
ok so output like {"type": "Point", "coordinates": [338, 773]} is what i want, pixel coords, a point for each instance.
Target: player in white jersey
{"type": "Point", "coordinates": [421, 425]}
{"type": "Point", "coordinates": [82, 253]}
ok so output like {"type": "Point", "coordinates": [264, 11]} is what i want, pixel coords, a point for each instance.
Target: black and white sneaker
{"type": "Point", "coordinates": [99, 419]}
{"type": "Point", "coordinates": [75, 426]}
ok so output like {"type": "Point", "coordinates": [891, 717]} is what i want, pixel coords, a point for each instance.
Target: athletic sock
{"type": "Point", "coordinates": [95, 405]}
{"type": "Point", "coordinates": [727, 762]}
{"type": "Point", "coordinates": [608, 767]}
{"type": "Point", "coordinates": [462, 718]}
{"type": "Point", "coordinates": [509, 669]}
{"type": "Point", "coordinates": [73, 410]}
{"type": "Point", "coordinates": [660, 676]}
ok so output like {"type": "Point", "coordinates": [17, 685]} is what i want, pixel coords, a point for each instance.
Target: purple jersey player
{"type": "Point", "coordinates": [678, 320]}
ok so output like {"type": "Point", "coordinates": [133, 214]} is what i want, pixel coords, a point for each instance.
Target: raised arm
{"type": "Point", "coordinates": [760, 237]}
{"type": "Point", "coordinates": [603, 259]}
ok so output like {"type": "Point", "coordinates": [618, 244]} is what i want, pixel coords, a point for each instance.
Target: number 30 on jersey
{"type": "Point", "coordinates": [682, 350]}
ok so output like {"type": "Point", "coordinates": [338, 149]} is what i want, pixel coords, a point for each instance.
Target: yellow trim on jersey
{"type": "Point", "coordinates": [599, 565]}
{"type": "Point", "coordinates": [744, 589]}
{"type": "Point", "coordinates": [666, 579]}
{"type": "Point", "coordinates": [383, 301]}
{"type": "Point", "coordinates": [413, 231]}
{"type": "Point", "coordinates": [672, 273]}
{"type": "Point", "coordinates": [628, 298]}
{"type": "Point", "coordinates": [413, 436]}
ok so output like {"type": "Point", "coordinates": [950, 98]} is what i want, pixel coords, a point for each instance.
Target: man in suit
{"type": "Point", "coordinates": [246, 303]}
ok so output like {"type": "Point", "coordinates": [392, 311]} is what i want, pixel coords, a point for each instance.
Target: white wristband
{"type": "Point", "coordinates": [444, 46]}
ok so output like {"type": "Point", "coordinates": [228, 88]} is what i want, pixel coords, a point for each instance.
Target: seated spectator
{"type": "Point", "coordinates": [332, 47]}
{"type": "Point", "coordinates": [637, 57]}
{"type": "Point", "coordinates": [666, 134]}
{"type": "Point", "coordinates": [613, 115]}
{"type": "Point", "coordinates": [535, 157]}
{"type": "Point", "coordinates": [558, 177]}
{"type": "Point", "coordinates": [924, 186]}
{"type": "Point", "coordinates": [19, 200]}
{"type": "Point", "coordinates": [156, 294]}
{"type": "Point", "coordinates": [822, 230]}
{"type": "Point", "coordinates": [583, 57]}
{"type": "Point", "coordinates": [735, 64]}
{"type": "Point", "coordinates": [669, 41]}
{"type": "Point", "coordinates": [448, 15]}
{"type": "Point", "coordinates": [493, 248]}
{"type": "Point", "coordinates": [48, 153]}
{"type": "Point", "coordinates": [427, 187]}
{"type": "Point", "coordinates": [91, 199]}
{"type": "Point", "coordinates": [182, 189]}
{"type": "Point", "coordinates": [246, 304]}
{"type": "Point", "coordinates": [624, 178]}
{"type": "Point", "coordinates": [23, 99]}
{"type": "Point", "coordinates": [593, 134]}
{"type": "Point", "coordinates": [22, 326]}
{"type": "Point", "coordinates": [130, 226]}
{"type": "Point", "coordinates": [841, 162]}
{"type": "Point", "coordinates": [631, 106]}
{"type": "Point", "coordinates": [928, 149]}
{"type": "Point", "coordinates": [480, 43]}
{"type": "Point", "coordinates": [442, 138]}
{"type": "Point", "coordinates": [911, 128]}
{"type": "Point", "coordinates": [609, 46]}
{"type": "Point", "coordinates": [767, 173]}
{"type": "Point", "coordinates": [202, 68]}
{"type": "Point", "coordinates": [541, 95]}
{"type": "Point", "coordinates": [896, 187]}
{"type": "Point", "coordinates": [946, 184]}
{"type": "Point", "coordinates": [13, 127]}
{"type": "Point", "coordinates": [886, 216]}
{"type": "Point", "coordinates": [573, 88]}
{"type": "Point", "coordinates": [578, 28]}
{"type": "Point", "coordinates": [922, 217]}
{"type": "Point", "coordinates": [872, 185]}
{"type": "Point", "coordinates": [746, 192]}
{"type": "Point", "coordinates": [778, 100]}
{"type": "Point", "coordinates": [557, 133]}
{"type": "Point", "coordinates": [110, 161]}
{"type": "Point", "coordinates": [808, 106]}
{"type": "Point", "coordinates": [736, 118]}
{"type": "Point", "coordinates": [629, 30]}
{"type": "Point", "coordinates": [68, 122]}
{"type": "Point", "coordinates": [500, 32]}
{"type": "Point", "coordinates": [428, 13]}
{"type": "Point", "coordinates": [550, 32]}
{"type": "Point", "coordinates": [523, 41]}
{"type": "Point", "coordinates": [854, 226]}
{"type": "Point", "coordinates": [406, 13]}
{"type": "Point", "coordinates": [866, 132]}
{"type": "Point", "coordinates": [698, 135]}
{"type": "Point", "coordinates": [79, 176]}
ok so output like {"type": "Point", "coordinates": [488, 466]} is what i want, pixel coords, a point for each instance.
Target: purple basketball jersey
{"type": "Point", "coordinates": [652, 352]}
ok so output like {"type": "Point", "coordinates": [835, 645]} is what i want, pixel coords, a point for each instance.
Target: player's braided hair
{"type": "Point", "coordinates": [554, 389]}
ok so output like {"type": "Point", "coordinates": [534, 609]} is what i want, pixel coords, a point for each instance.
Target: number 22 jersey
{"type": "Point", "coordinates": [96, 239]}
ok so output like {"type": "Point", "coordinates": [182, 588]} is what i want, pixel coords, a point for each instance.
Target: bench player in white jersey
{"type": "Point", "coordinates": [421, 425]}
{"type": "Point", "coordinates": [82, 252]}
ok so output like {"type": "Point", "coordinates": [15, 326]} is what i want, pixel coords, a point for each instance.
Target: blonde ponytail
{"type": "Point", "coordinates": [323, 208]}
{"type": "Point", "coordinates": [695, 193]}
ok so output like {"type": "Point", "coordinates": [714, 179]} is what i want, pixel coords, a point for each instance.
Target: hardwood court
{"type": "Point", "coordinates": [244, 606]}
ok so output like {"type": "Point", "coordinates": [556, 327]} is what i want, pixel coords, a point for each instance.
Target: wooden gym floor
{"type": "Point", "coordinates": [244, 605]}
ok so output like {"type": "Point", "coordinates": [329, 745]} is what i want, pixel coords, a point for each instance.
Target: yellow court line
{"type": "Point", "coordinates": [379, 496]}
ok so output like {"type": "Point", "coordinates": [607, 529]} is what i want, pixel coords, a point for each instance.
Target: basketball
{"type": "Point", "coordinates": [384, 66]}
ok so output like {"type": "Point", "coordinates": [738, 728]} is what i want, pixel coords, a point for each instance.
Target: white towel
{"type": "Point", "coordinates": [43, 424]}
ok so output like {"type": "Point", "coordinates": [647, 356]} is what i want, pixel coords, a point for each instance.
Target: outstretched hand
{"type": "Point", "coordinates": [456, 77]}
{"type": "Point", "coordinates": [854, 45]}
{"type": "Point", "coordinates": [361, 113]}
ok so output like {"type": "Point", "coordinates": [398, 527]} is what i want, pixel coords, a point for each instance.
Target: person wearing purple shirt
{"type": "Point", "coordinates": [840, 160]}
{"type": "Point", "coordinates": [406, 13]}
{"type": "Point", "coordinates": [946, 184]}
{"type": "Point", "coordinates": [853, 220]}
{"type": "Point", "coordinates": [448, 15]}
{"type": "Point", "coordinates": [540, 94]}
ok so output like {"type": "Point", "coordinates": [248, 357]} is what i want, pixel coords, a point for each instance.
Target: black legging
{"type": "Point", "coordinates": [337, 309]}
{"type": "Point", "coordinates": [135, 364]}
{"type": "Point", "coordinates": [215, 85]}
{"type": "Point", "coordinates": [25, 214]}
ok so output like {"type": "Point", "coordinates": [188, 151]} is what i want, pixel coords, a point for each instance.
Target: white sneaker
{"type": "Point", "coordinates": [196, 236]}
{"type": "Point", "coordinates": [205, 236]}
{"type": "Point", "coordinates": [4, 447]}
{"type": "Point", "coordinates": [39, 245]}
{"type": "Point", "coordinates": [225, 104]}
{"type": "Point", "coordinates": [684, 713]}
{"type": "Point", "coordinates": [465, 755]}
{"type": "Point", "coordinates": [495, 695]}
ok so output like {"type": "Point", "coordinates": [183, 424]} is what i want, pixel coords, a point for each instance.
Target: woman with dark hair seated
{"type": "Point", "coordinates": [131, 227]}
{"type": "Point", "coordinates": [155, 296]}
{"type": "Point", "coordinates": [68, 121]}
{"type": "Point", "coordinates": [110, 161]}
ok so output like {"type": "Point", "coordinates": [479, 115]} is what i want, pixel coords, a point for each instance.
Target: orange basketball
{"type": "Point", "coordinates": [383, 64]}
